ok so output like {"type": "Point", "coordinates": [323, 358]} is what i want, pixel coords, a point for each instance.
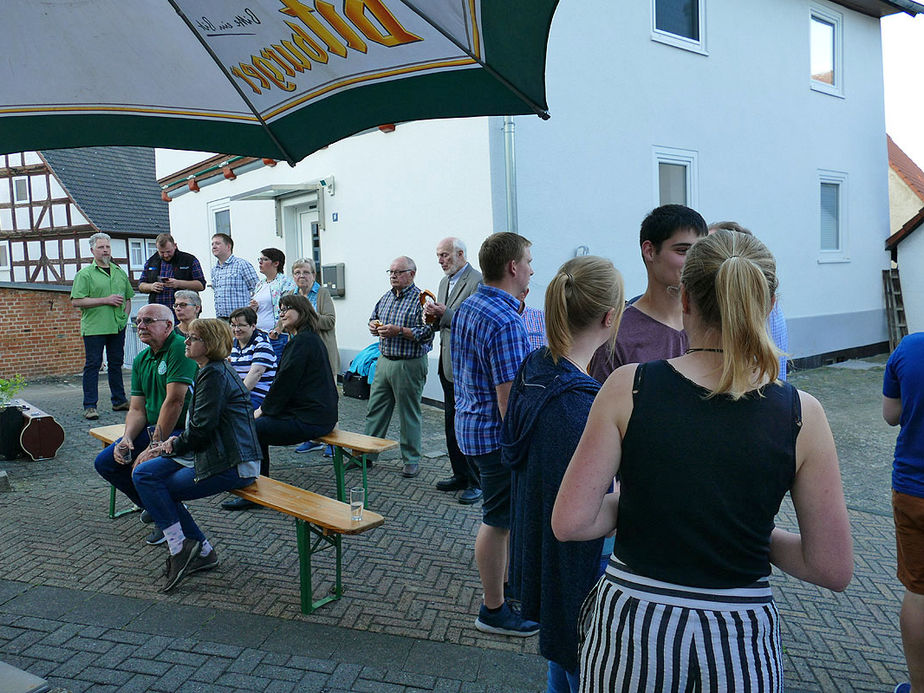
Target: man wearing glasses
{"type": "Point", "coordinates": [160, 394]}
{"type": "Point", "coordinates": [400, 374]}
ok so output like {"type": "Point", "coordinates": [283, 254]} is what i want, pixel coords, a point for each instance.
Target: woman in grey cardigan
{"type": "Point", "coordinates": [303, 272]}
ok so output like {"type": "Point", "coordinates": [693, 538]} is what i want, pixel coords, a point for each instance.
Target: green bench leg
{"type": "Point", "coordinates": [112, 511]}
{"type": "Point", "coordinates": [340, 467]}
{"type": "Point", "coordinates": [365, 482]}
{"type": "Point", "coordinates": [308, 546]}
{"type": "Point", "coordinates": [338, 472]}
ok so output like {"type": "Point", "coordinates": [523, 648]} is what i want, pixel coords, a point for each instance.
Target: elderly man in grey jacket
{"type": "Point", "coordinates": [460, 282]}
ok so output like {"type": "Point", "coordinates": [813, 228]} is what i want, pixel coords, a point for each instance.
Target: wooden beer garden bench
{"type": "Point", "coordinates": [352, 449]}
{"type": "Point", "coordinates": [108, 435]}
{"type": "Point", "coordinates": [320, 522]}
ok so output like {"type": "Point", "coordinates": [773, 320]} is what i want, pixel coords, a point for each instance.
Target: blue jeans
{"type": "Point", "coordinates": [120, 475]}
{"type": "Point", "coordinates": [163, 484]}
{"type": "Point", "coordinates": [115, 351]}
{"type": "Point", "coordinates": [561, 680]}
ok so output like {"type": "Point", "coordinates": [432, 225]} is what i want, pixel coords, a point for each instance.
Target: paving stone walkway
{"type": "Point", "coordinates": [79, 603]}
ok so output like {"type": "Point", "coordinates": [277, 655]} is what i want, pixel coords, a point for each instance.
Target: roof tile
{"type": "Point", "coordinates": [114, 186]}
{"type": "Point", "coordinates": [906, 169]}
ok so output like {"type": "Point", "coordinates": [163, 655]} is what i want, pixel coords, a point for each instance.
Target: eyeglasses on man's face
{"type": "Point", "coordinates": [182, 305]}
{"type": "Point", "coordinates": [396, 273]}
{"type": "Point", "coordinates": [239, 326]}
{"type": "Point", "coordinates": [150, 321]}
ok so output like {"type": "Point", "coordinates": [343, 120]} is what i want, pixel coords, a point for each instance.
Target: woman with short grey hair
{"type": "Point", "coordinates": [186, 306]}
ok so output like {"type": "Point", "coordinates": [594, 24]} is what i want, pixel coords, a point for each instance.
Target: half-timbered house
{"type": "Point", "coordinates": [52, 200]}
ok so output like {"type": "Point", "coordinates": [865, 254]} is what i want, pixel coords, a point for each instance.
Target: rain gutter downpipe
{"type": "Point", "coordinates": [510, 171]}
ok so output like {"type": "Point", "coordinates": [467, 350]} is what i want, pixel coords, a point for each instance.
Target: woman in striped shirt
{"type": "Point", "coordinates": [706, 446]}
{"type": "Point", "coordinates": [252, 355]}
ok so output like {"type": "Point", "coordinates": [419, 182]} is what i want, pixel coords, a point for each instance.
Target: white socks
{"type": "Point", "coordinates": [174, 534]}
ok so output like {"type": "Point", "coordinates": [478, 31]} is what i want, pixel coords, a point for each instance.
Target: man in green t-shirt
{"type": "Point", "coordinates": [161, 379]}
{"type": "Point", "coordinates": [103, 294]}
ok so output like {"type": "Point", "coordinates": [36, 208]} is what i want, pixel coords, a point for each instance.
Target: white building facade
{"type": "Point", "coordinates": [800, 161]}
{"type": "Point", "coordinates": [770, 114]}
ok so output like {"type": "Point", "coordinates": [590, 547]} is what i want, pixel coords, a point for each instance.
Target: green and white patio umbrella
{"type": "Point", "coordinates": [270, 78]}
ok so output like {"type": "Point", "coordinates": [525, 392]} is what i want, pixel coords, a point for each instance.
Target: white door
{"type": "Point", "coordinates": [301, 233]}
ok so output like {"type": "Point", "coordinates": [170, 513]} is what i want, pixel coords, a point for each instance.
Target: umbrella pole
{"type": "Point", "coordinates": [510, 173]}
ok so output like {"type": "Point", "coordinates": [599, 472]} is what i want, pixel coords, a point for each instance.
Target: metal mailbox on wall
{"type": "Point", "coordinates": [332, 279]}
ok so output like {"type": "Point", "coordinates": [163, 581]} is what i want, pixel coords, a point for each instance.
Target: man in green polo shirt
{"type": "Point", "coordinates": [161, 379]}
{"type": "Point", "coordinates": [103, 294]}
{"type": "Point", "coordinates": [161, 376]}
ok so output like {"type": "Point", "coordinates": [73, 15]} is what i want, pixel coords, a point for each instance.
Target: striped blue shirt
{"type": "Point", "coordinates": [534, 321]}
{"type": "Point", "coordinates": [776, 326]}
{"type": "Point", "coordinates": [232, 283]}
{"type": "Point", "coordinates": [488, 345]}
{"type": "Point", "coordinates": [258, 350]}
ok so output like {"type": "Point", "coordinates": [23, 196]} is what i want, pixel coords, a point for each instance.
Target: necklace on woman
{"type": "Point", "coordinates": [576, 365]}
{"type": "Point", "coordinates": [692, 349]}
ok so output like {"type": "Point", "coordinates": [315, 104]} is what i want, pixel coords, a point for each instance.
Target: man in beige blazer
{"type": "Point", "coordinates": [460, 282]}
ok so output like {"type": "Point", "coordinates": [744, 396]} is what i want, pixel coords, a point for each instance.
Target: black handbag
{"type": "Point", "coordinates": [355, 386]}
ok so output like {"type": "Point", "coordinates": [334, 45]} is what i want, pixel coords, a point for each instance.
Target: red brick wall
{"type": "Point", "coordinates": [39, 332]}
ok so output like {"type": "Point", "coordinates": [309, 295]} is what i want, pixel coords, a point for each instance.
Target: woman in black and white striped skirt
{"type": "Point", "coordinates": [706, 445]}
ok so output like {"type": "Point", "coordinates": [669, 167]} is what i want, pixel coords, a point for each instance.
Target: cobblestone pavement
{"type": "Point", "coordinates": [79, 603]}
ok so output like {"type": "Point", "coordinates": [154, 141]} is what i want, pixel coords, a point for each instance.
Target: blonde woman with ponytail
{"type": "Point", "coordinates": [706, 446]}
{"type": "Point", "coordinates": [548, 406]}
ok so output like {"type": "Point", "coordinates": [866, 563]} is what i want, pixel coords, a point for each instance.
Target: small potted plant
{"type": "Point", "coordinates": [9, 387]}
{"type": "Point", "coordinates": [10, 417]}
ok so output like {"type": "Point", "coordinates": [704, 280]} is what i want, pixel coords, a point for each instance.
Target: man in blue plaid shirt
{"type": "Point", "coordinates": [400, 374]}
{"type": "Point", "coordinates": [488, 345]}
{"type": "Point", "coordinates": [233, 278]}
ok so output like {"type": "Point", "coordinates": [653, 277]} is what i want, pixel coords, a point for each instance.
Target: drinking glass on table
{"type": "Point", "coordinates": [357, 501]}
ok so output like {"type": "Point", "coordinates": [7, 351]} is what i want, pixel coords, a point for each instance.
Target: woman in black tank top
{"type": "Point", "coordinates": [706, 446]}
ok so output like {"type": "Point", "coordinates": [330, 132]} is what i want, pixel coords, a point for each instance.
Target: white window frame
{"type": "Point", "coordinates": [676, 40]}
{"type": "Point", "coordinates": [136, 244]}
{"type": "Point", "coordinates": [211, 209]}
{"type": "Point", "coordinates": [837, 20]}
{"type": "Point", "coordinates": [148, 248]}
{"type": "Point", "coordinates": [838, 178]}
{"type": "Point", "coordinates": [16, 198]}
{"type": "Point", "coordinates": [6, 270]}
{"type": "Point", "coordinates": [684, 157]}
{"type": "Point", "coordinates": [215, 213]}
